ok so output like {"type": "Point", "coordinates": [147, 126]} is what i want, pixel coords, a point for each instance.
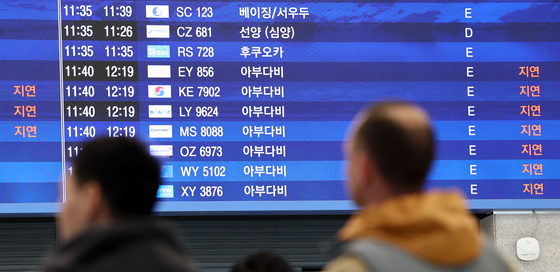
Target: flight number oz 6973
{"type": "Point", "coordinates": [202, 151]}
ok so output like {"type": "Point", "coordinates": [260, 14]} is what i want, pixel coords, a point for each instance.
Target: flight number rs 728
{"type": "Point", "coordinates": [199, 51]}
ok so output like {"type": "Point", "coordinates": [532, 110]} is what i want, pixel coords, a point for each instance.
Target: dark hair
{"type": "Point", "coordinates": [262, 261]}
{"type": "Point", "coordinates": [403, 155]}
{"type": "Point", "coordinates": [129, 177]}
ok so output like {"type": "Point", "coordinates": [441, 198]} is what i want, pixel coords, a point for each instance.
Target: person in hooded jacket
{"type": "Point", "coordinates": [401, 228]}
{"type": "Point", "coordinates": [262, 261]}
{"type": "Point", "coordinates": [105, 224]}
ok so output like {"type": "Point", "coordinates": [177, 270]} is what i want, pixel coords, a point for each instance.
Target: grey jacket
{"type": "Point", "coordinates": [378, 256]}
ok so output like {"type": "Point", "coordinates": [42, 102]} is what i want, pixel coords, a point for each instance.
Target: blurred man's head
{"type": "Point", "coordinates": [112, 179]}
{"type": "Point", "coordinates": [263, 261]}
{"type": "Point", "coordinates": [389, 153]}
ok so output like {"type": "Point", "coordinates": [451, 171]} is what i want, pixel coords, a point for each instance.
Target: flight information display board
{"type": "Point", "coordinates": [247, 103]}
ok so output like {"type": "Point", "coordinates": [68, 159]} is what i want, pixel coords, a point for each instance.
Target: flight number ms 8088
{"type": "Point", "coordinates": [204, 131]}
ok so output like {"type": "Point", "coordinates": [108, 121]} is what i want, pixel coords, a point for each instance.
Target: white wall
{"type": "Point", "coordinates": [505, 228]}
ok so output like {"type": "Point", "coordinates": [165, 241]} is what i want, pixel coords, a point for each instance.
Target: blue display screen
{"type": "Point", "coordinates": [247, 104]}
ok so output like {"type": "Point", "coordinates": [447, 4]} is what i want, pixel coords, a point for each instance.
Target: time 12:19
{"type": "Point", "coordinates": [117, 91]}
{"type": "Point", "coordinates": [126, 131]}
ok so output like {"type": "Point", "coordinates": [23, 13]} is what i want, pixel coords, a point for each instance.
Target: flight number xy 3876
{"type": "Point", "coordinates": [205, 191]}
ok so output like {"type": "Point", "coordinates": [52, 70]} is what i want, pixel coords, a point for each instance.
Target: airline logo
{"type": "Point", "coordinates": [157, 11]}
{"type": "Point", "coordinates": [161, 131]}
{"type": "Point", "coordinates": [161, 151]}
{"type": "Point", "coordinates": [159, 91]}
{"type": "Point", "coordinates": [165, 191]}
{"type": "Point", "coordinates": [157, 31]}
{"type": "Point", "coordinates": [159, 51]}
{"type": "Point", "coordinates": [159, 71]}
{"type": "Point", "coordinates": [167, 171]}
{"type": "Point", "coordinates": [159, 111]}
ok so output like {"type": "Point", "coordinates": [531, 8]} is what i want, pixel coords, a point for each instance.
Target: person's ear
{"type": "Point", "coordinates": [370, 171]}
{"type": "Point", "coordinates": [366, 172]}
{"type": "Point", "coordinates": [94, 205]}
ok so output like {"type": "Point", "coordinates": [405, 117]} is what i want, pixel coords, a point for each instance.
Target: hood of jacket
{"type": "Point", "coordinates": [434, 226]}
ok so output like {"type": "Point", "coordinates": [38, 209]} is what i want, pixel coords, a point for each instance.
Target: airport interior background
{"type": "Point", "coordinates": [215, 243]}
{"type": "Point", "coordinates": [248, 104]}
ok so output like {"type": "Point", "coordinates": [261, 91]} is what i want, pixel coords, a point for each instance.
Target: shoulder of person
{"type": "Point", "coordinates": [346, 263]}
{"type": "Point", "coordinates": [370, 255]}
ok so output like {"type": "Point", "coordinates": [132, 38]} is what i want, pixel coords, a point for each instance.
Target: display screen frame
{"type": "Point", "coordinates": [290, 206]}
